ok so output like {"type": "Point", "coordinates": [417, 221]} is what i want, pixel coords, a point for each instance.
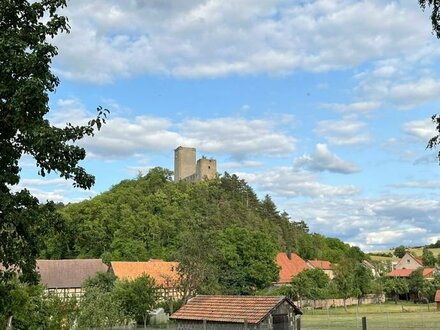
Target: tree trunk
{"type": "Point", "coordinates": [9, 325]}
{"type": "Point", "coordinates": [345, 304]}
{"type": "Point", "coordinates": [145, 321]}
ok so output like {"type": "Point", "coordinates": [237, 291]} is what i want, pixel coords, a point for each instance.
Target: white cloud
{"type": "Point", "coordinates": [410, 94]}
{"type": "Point", "coordinates": [390, 237]}
{"type": "Point", "coordinates": [347, 131]}
{"type": "Point", "coordinates": [419, 184]}
{"type": "Point", "coordinates": [238, 138]}
{"type": "Point", "coordinates": [53, 189]}
{"type": "Point", "coordinates": [242, 164]}
{"type": "Point", "coordinates": [213, 38]}
{"type": "Point", "coordinates": [373, 223]}
{"type": "Point", "coordinates": [422, 130]}
{"type": "Point", "coordinates": [322, 159]}
{"type": "Point", "coordinates": [288, 182]}
{"type": "Point", "coordinates": [355, 107]}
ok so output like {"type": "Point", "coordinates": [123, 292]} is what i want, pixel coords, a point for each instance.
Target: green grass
{"type": "Point", "coordinates": [417, 252]}
{"type": "Point", "coordinates": [379, 316]}
{"type": "Point", "coordinates": [381, 258]}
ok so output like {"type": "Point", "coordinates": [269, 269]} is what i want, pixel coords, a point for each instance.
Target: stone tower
{"type": "Point", "coordinates": [186, 168]}
{"type": "Point", "coordinates": [184, 163]}
{"type": "Point", "coordinates": [206, 169]}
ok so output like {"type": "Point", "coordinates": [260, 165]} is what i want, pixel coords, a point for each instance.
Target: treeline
{"type": "Point", "coordinates": [106, 303]}
{"type": "Point", "coordinates": [218, 228]}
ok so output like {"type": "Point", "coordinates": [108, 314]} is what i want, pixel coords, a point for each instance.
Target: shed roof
{"type": "Point", "coordinates": [290, 267]}
{"type": "Point", "coordinates": [68, 273]}
{"type": "Point", "coordinates": [231, 309]}
{"type": "Point", "coordinates": [164, 273]}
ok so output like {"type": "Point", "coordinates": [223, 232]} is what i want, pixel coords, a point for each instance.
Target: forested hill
{"type": "Point", "coordinates": [153, 217]}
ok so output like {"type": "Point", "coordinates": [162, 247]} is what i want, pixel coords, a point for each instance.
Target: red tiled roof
{"type": "Point", "coordinates": [428, 272]}
{"type": "Point", "coordinates": [437, 296]}
{"type": "Point", "coordinates": [419, 260]}
{"type": "Point", "coordinates": [290, 267]}
{"type": "Point", "coordinates": [407, 272]}
{"type": "Point", "coordinates": [233, 309]}
{"type": "Point", "coordinates": [401, 272]}
{"type": "Point", "coordinates": [164, 273]}
{"type": "Point", "coordinates": [321, 264]}
{"type": "Point", "coordinates": [68, 273]}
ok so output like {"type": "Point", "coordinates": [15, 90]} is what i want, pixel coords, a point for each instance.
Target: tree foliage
{"type": "Point", "coordinates": [399, 251]}
{"type": "Point", "coordinates": [137, 297]}
{"type": "Point", "coordinates": [246, 260]}
{"type": "Point", "coordinates": [26, 81]}
{"type": "Point", "coordinates": [217, 229]}
{"type": "Point", "coordinates": [395, 286]}
{"type": "Point", "coordinates": [30, 308]}
{"type": "Point", "coordinates": [435, 22]}
{"type": "Point", "coordinates": [310, 284]}
{"type": "Point", "coordinates": [428, 258]}
{"type": "Point", "coordinates": [99, 309]}
{"type": "Point", "coordinates": [435, 140]}
{"type": "Point", "coordinates": [435, 14]}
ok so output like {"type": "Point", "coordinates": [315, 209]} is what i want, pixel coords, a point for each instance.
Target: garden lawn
{"type": "Point", "coordinates": [379, 316]}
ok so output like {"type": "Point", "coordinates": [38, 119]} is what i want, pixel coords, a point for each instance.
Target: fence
{"type": "Point", "coordinates": [374, 321]}
{"type": "Point", "coordinates": [331, 303]}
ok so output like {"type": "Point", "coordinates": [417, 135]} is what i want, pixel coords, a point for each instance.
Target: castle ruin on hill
{"type": "Point", "coordinates": [187, 169]}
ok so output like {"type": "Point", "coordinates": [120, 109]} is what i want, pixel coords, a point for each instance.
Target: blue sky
{"type": "Point", "coordinates": [325, 105]}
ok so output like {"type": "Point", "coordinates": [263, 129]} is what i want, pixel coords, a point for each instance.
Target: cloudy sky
{"type": "Point", "coordinates": [325, 105]}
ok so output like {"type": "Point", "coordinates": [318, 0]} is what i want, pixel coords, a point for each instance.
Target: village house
{"type": "Point", "coordinates": [66, 277]}
{"type": "Point", "coordinates": [164, 273]}
{"type": "Point", "coordinates": [237, 312]}
{"type": "Point", "coordinates": [408, 264]}
{"type": "Point", "coordinates": [324, 265]}
{"type": "Point", "coordinates": [290, 265]}
{"type": "Point", "coordinates": [428, 273]}
{"type": "Point", "coordinates": [409, 261]}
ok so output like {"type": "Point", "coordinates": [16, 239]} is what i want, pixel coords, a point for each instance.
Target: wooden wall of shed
{"type": "Point", "coordinates": [198, 325]}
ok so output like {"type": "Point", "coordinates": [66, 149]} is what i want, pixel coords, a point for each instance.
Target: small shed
{"type": "Point", "coordinates": [437, 299]}
{"type": "Point", "coordinates": [237, 313]}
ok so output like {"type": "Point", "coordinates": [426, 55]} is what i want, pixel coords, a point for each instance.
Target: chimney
{"type": "Point", "coordinates": [289, 255]}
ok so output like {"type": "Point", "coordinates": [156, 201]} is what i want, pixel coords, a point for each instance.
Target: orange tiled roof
{"type": "Point", "coordinates": [290, 267]}
{"type": "Point", "coordinates": [164, 273]}
{"type": "Point", "coordinates": [401, 272]}
{"type": "Point", "coordinates": [428, 272]}
{"type": "Point", "coordinates": [407, 272]}
{"type": "Point", "coordinates": [233, 309]}
{"type": "Point", "coordinates": [419, 260]}
{"type": "Point", "coordinates": [321, 264]}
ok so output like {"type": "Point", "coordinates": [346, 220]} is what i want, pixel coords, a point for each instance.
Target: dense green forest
{"type": "Point", "coordinates": [219, 224]}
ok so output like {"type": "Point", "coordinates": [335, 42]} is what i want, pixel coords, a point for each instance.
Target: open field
{"type": "Point", "coordinates": [381, 258]}
{"type": "Point", "coordinates": [417, 252]}
{"type": "Point", "coordinates": [379, 316]}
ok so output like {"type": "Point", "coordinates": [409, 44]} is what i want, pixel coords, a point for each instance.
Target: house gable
{"type": "Point", "coordinates": [409, 261]}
